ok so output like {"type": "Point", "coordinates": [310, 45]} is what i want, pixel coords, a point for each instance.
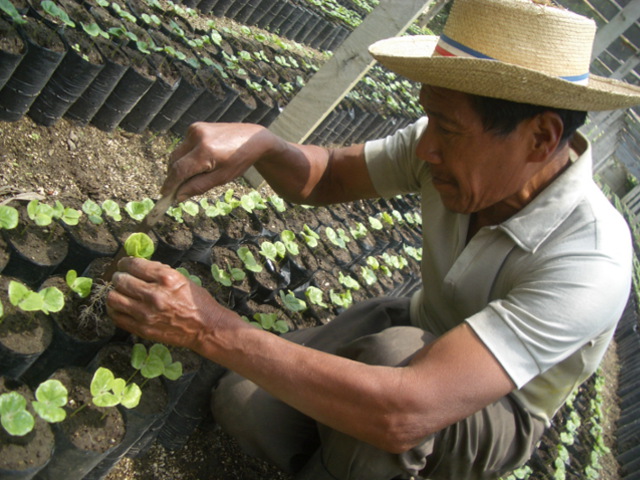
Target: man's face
{"type": "Point", "coordinates": [472, 169]}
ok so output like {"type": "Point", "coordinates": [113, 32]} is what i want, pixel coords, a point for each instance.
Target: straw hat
{"type": "Point", "coordinates": [515, 50]}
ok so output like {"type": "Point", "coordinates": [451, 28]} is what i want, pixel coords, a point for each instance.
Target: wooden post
{"type": "Point", "coordinates": [613, 29]}
{"type": "Point", "coordinates": [350, 62]}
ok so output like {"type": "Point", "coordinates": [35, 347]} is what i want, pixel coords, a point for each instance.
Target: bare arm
{"type": "Point", "coordinates": [214, 154]}
{"type": "Point", "coordinates": [392, 408]}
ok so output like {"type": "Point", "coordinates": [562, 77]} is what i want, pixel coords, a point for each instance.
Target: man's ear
{"type": "Point", "coordinates": [546, 130]}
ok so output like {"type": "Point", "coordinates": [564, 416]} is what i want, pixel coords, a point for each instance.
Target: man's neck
{"type": "Point", "coordinates": [499, 212]}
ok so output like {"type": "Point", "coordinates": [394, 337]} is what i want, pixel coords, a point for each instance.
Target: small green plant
{"type": "Point", "coordinates": [343, 299]}
{"type": "Point", "coordinates": [93, 211]}
{"type": "Point", "coordinates": [109, 391]}
{"type": "Point", "coordinates": [310, 237]}
{"type": "Point", "coordinates": [112, 209]}
{"type": "Point", "coordinates": [8, 8]}
{"type": "Point", "coordinates": [413, 252]}
{"type": "Point", "coordinates": [368, 275]}
{"type": "Point", "coordinates": [80, 285]}
{"type": "Point", "coordinates": [9, 217]}
{"type": "Point", "coordinates": [227, 277]}
{"type": "Point", "coordinates": [250, 263]}
{"type": "Point", "coordinates": [291, 302]}
{"type": "Point", "coordinates": [94, 30]}
{"type": "Point", "coordinates": [337, 237]}
{"type": "Point", "coordinates": [154, 363]}
{"type": "Point", "coordinates": [139, 210]}
{"type": "Point", "coordinates": [375, 223]}
{"type": "Point", "coordinates": [278, 203]}
{"type": "Point", "coordinates": [51, 396]}
{"type": "Point", "coordinates": [47, 300]}
{"type": "Point", "coordinates": [15, 418]}
{"type": "Point", "coordinates": [358, 231]}
{"type": "Point", "coordinates": [40, 213]}
{"type": "Point", "coordinates": [57, 13]}
{"type": "Point", "coordinates": [268, 322]}
{"type": "Point", "coordinates": [194, 278]}
{"type": "Point", "coordinates": [273, 251]}
{"type": "Point", "coordinates": [348, 281]}
{"type": "Point", "coordinates": [315, 296]}
{"type": "Point", "coordinates": [289, 240]}
{"type": "Point", "coordinates": [139, 245]}
{"type": "Point", "coordinates": [219, 209]}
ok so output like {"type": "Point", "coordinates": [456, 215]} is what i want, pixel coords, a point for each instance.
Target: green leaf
{"type": "Point", "coordinates": [138, 356]}
{"type": "Point", "coordinates": [375, 223]}
{"type": "Point", "coordinates": [40, 213]}
{"type": "Point", "coordinates": [249, 260]}
{"type": "Point", "coordinates": [278, 203]}
{"type": "Point", "coordinates": [93, 211]}
{"type": "Point", "coordinates": [80, 285]}
{"type": "Point", "coordinates": [7, 7]}
{"type": "Point", "coordinates": [368, 275]}
{"type": "Point", "coordinates": [13, 414]}
{"type": "Point", "coordinates": [315, 296]}
{"type": "Point", "coordinates": [8, 217]}
{"type": "Point", "coordinates": [22, 297]}
{"type": "Point", "coordinates": [190, 207]}
{"type": "Point", "coordinates": [139, 210]}
{"type": "Point", "coordinates": [56, 12]}
{"type": "Point", "coordinates": [220, 276]}
{"type": "Point", "coordinates": [51, 395]}
{"type": "Point", "coordinates": [52, 299]}
{"type": "Point", "coordinates": [112, 209]}
{"type": "Point", "coordinates": [334, 238]}
{"type": "Point", "coordinates": [291, 302]}
{"type": "Point", "coordinates": [173, 371]}
{"type": "Point", "coordinates": [348, 281]}
{"type": "Point", "coordinates": [71, 216]}
{"type": "Point", "coordinates": [269, 250]}
{"type": "Point", "coordinates": [131, 395]}
{"type": "Point", "coordinates": [139, 245]}
{"type": "Point", "coordinates": [101, 385]}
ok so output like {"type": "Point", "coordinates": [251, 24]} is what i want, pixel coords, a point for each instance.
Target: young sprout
{"type": "Point", "coordinates": [70, 216]}
{"type": "Point", "coordinates": [139, 210]}
{"type": "Point", "coordinates": [343, 300]}
{"type": "Point", "coordinates": [268, 322]}
{"type": "Point", "coordinates": [249, 260]}
{"type": "Point", "coordinates": [291, 302]}
{"type": "Point", "coordinates": [139, 245]}
{"type": "Point", "coordinates": [359, 231]}
{"type": "Point", "coordinates": [368, 275]}
{"type": "Point", "coordinates": [289, 240]}
{"type": "Point", "coordinates": [310, 237]}
{"type": "Point", "coordinates": [80, 285]}
{"type": "Point", "coordinates": [112, 209]}
{"type": "Point", "coordinates": [154, 363]}
{"type": "Point", "coordinates": [15, 418]}
{"type": "Point", "coordinates": [315, 296]}
{"type": "Point", "coordinates": [273, 251]}
{"type": "Point", "coordinates": [8, 217]}
{"type": "Point", "coordinates": [375, 223]}
{"type": "Point", "coordinates": [278, 203]}
{"type": "Point", "coordinates": [348, 281]}
{"type": "Point", "coordinates": [47, 300]}
{"type": "Point", "coordinates": [226, 278]}
{"type": "Point", "coordinates": [51, 396]}
{"type": "Point", "coordinates": [93, 211]}
{"type": "Point", "coordinates": [109, 391]}
{"type": "Point", "coordinates": [194, 278]}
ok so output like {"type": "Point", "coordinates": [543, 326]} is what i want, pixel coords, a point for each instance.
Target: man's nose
{"type": "Point", "coordinates": [427, 149]}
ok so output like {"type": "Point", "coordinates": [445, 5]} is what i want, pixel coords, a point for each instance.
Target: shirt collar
{"type": "Point", "coordinates": [537, 220]}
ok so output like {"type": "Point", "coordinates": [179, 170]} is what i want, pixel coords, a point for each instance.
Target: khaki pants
{"type": "Point", "coordinates": [490, 443]}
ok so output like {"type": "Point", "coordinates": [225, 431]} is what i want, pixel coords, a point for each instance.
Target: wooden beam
{"type": "Point", "coordinates": [616, 27]}
{"type": "Point", "coordinates": [349, 63]}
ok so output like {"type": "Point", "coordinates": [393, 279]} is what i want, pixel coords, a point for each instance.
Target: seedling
{"type": "Point", "coordinates": [112, 209]}
{"type": "Point", "coordinates": [387, 218]}
{"type": "Point", "coordinates": [268, 322]}
{"type": "Point", "coordinates": [375, 223]}
{"type": "Point", "coordinates": [368, 275]}
{"type": "Point", "coordinates": [194, 278]}
{"type": "Point", "coordinates": [8, 217]}
{"type": "Point", "coordinates": [335, 238]}
{"type": "Point", "coordinates": [291, 302]}
{"type": "Point", "coordinates": [70, 216]}
{"type": "Point", "coordinates": [139, 245]}
{"type": "Point", "coordinates": [359, 231]}
{"type": "Point", "coordinates": [249, 260]}
{"type": "Point", "coordinates": [343, 300]}
{"type": "Point", "coordinates": [219, 209]}
{"type": "Point", "coordinates": [413, 252]}
{"type": "Point", "coordinates": [273, 251]}
{"type": "Point", "coordinates": [348, 281]}
{"type": "Point", "coordinates": [278, 203]}
{"type": "Point", "coordinates": [94, 30]}
{"type": "Point", "coordinates": [93, 211]}
{"type": "Point", "coordinates": [7, 7]}
{"type": "Point", "coordinates": [57, 13]}
{"type": "Point", "coordinates": [51, 396]}
{"type": "Point", "coordinates": [310, 237]}
{"type": "Point", "coordinates": [139, 210]}
{"type": "Point", "coordinates": [109, 391]}
{"type": "Point", "coordinates": [227, 277]}
{"type": "Point", "coordinates": [15, 418]}
{"type": "Point", "coordinates": [40, 213]}
{"type": "Point", "coordinates": [80, 285]}
{"type": "Point", "coordinates": [315, 296]}
{"type": "Point", "coordinates": [289, 240]}
{"type": "Point", "coordinates": [154, 363]}
{"type": "Point", "coordinates": [47, 300]}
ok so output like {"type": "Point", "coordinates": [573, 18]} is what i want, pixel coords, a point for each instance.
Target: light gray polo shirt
{"type": "Point", "coordinates": [543, 290]}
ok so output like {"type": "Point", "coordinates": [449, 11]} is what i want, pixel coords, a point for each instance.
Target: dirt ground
{"type": "Point", "coordinates": [69, 159]}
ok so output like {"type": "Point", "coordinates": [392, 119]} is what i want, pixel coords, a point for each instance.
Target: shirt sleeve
{"type": "Point", "coordinates": [392, 163]}
{"type": "Point", "coordinates": [557, 307]}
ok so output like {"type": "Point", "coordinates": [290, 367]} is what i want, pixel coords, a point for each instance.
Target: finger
{"type": "Point", "coordinates": [195, 162]}
{"type": "Point", "coordinates": [146, 270]}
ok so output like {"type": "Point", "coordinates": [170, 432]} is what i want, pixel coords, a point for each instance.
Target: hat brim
{"type": "Point", "coordinates": [411, 57]}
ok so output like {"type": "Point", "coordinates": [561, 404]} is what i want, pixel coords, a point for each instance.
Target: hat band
{"type": "Point", "coordinates": [447, 47]}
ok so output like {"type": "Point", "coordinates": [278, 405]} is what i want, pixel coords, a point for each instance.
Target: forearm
{"type": "Point", "coordinates": [361, 400]}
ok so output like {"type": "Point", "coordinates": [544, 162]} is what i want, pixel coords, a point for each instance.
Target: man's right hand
{"type": "Point", "coordinates": [214, 154]}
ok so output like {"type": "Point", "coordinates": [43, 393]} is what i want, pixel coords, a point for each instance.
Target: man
{"type": "Point", "coordinates": [526, 266]}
